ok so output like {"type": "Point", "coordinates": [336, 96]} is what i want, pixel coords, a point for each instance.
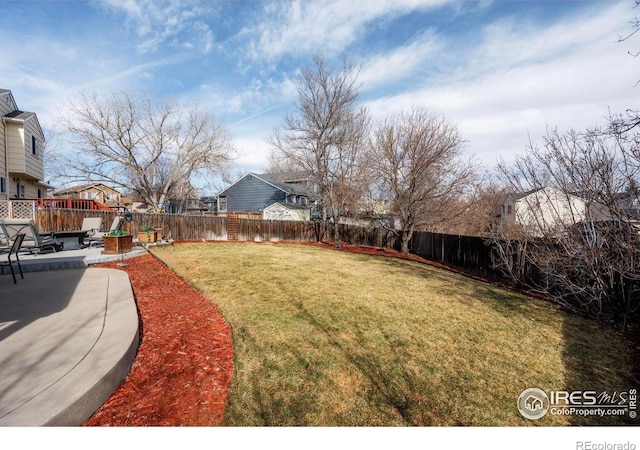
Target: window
{"type": "Point", "coordinates": [222, 203]}
{"type": "Point", "coordinates": [3, 185]}
{"type": "Point", "coordinates": [19, 189]}
{"type": "Point", "coordinates": [39, 193]}
{"type": "Point", "coordinates": [34, 146]}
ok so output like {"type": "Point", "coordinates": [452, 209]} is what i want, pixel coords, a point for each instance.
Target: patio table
{"type": "Point", "coordinates": [71, 240]}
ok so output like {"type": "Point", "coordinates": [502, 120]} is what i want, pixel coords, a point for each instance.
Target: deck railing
{"type": "Point", "coordinates": [70, 203]}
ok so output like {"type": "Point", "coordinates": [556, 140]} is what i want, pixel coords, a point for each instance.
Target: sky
{"type": "Point", "coordinates": [503, 71]}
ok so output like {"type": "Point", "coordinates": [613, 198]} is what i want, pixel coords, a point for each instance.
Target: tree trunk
{"type": "Point", "coordinates": [405, 237]}
{"type": "Point", "coordinates": [336, 232]}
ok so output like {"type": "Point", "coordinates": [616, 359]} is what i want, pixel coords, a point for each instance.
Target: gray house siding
{"type": "Point", "coordinates": [251, 195]}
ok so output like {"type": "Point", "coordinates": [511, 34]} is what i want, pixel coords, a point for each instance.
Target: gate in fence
{"type": "Point", "coordinates": [233, 227]}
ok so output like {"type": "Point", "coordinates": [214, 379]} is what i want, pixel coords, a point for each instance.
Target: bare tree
{"type": "Point", "coordinates": [576, 237]}
{"type": "Point", "coordinates": [631, 119]}
{"type": "Point", "coordinates": [480, 211]}
{"type": "Point", "coordinates": [416, 162]}
{"type": "Point", "coordinates": [280, 164]}
{"type": "Point", "coordinates": [325, 134]}
{"type": "Point", "coordinates": [146, 145]}
{"type": "Point", "coordinates": [50, 151]}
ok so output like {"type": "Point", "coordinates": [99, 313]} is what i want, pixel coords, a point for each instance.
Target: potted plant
{"type": "Point", "coordinates": [116, 242]}
{"type": "Point", "coordinates": [147, 234]}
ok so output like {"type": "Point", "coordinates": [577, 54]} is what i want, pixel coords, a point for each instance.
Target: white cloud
{"type": "Point", "coordinates": [508, 80]}
{"type": "Point", "coordinates": [400, 63]}
{"type": "Point", "coordinates": [251, 100]}
{"type": "Point", "coordinates": [516, 40]}
{"type": "Point", "coordinates": [302, 27]}
{"type": "Point", "coordinates": [253, 153]}
{"type": "Point", "coordinates": [133, 8]}
{"type": "Point", "coordinates": [176, 23]}
{"type": "Point", "coordinates": [521, 80]}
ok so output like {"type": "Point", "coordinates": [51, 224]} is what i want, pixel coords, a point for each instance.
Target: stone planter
{"type": "Point", "coordinates": [114, 245]}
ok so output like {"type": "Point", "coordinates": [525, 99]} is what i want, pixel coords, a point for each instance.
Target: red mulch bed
{"type": "Point", "coordinates": [184, 364]}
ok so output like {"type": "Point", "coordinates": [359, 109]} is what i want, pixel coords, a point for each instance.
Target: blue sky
{"type": "Point", "coordinates": [503, 71]}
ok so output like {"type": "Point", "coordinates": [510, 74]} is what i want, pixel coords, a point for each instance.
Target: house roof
{"type": "Point", "coordinates": [19, 115]}
{"type": "Point", "coordinates": [286, 182]}
{"type": "Point", "coordinates": [274, 180]}
{"type": "Point", "coordinates": [515, 196]}
{"type": "Point", "coordinates": [123, 202]}
{"type": "Point", "coordinates": [82, 187]}
{"type": "Point", "coordinates": [291, 206]}
{"type": "Point", "coordinates": [588, 198]}
{"type": "Point", "coordinates": [7, 93]}
{"type": "Point", "coordinates": [44, 185]}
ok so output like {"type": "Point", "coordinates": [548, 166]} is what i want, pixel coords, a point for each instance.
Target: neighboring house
{"type": "Point", "coordinates": [21, 146]}
{"type": "Point", "coordinates": [548, 209]}
{"type": "Point", "coordinates": [191, 205]}
{"type": "Point", "coordinates": [211, 203]}
{"type": "Point", "coordinates": [140, 206]}
{"type": "Point", "coordinates": [286, 211]}
{"type": "Point", "coordinates": [629, 205]}
{"type": "Point", "coordinates": [509, 207]}
{"type": "Point", "coordinates": [99, 192]}
{"type": "Point", "coordinates": [386, 221]}
{"type": "Point", "coordinates": [253, 193]}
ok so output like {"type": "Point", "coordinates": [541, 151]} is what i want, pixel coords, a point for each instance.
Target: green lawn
{"type": "Point", "coordinates": [328, 338]}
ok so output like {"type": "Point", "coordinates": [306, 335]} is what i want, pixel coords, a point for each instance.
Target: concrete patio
{"type": "Point", "coordinates": [68, 337]}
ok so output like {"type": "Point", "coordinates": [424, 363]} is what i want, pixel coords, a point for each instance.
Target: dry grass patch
{"type": "Point", "coordinates": [326, 338]}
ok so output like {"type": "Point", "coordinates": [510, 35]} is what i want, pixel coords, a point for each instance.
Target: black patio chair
{"type": "Point", "coordinates": [34, 241]}
{"type": "Point", "coordinates": [13, 250]}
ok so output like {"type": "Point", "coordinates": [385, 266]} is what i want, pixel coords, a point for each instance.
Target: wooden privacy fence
{"type": "Point", "coordinates": [369, 236]}
{"type": "Point", "coordinates": [183, 227]}
{"type": "Point", "coordinates": [275, 230]}
{"type": "Point", "coordinates": [54, 219]}
{"type": "Point", "coordinates": [195, 228]}
{"type": "Point", "coordinates": [177, 227]}
{"type": "Point", "coordinates": [469, 252]}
